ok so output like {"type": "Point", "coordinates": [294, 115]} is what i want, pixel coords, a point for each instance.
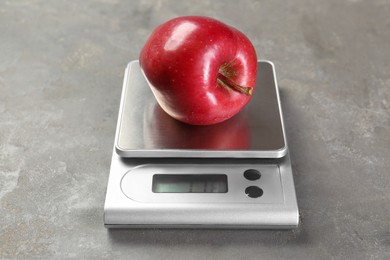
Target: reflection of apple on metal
{"type": "Point", "coordinates": [232, 134]}
{"type": "Point", "coordinates": [200, 70]}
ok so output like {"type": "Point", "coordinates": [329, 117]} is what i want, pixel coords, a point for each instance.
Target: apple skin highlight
{"type": "Point", "coordinates": [201, 71]}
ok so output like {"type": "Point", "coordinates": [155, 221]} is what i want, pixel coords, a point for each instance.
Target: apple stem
{"type": "Point", "coordinates": [233, 85]}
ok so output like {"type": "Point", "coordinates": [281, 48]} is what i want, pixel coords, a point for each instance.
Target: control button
{"type": "Point", "coordinates": [252, 174]}
{"type": "Point", "coordinates": [253, 191]}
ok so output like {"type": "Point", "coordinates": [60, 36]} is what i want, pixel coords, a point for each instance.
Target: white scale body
{"type": "Point", "coordinates": [167, 174]}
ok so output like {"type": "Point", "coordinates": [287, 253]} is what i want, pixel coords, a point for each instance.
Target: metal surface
{"type": "Point", "coordinates": [145, 130]}
{"type": "Point", "coordinates": [126, 208]}
{"type": "Point", "coordinates": [136, 183]}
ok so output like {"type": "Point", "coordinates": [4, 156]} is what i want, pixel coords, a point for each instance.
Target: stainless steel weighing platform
{"type": "Point", "coordinates": [167, 174]}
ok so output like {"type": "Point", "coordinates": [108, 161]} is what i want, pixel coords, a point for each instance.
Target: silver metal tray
{"type": "Point", "coordinates": [145, 130]}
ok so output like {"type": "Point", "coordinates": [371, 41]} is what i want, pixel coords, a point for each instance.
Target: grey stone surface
{"type": "Point", "coordinates": [61, 70]}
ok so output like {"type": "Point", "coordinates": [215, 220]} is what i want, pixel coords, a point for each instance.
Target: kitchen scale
{"type": "Point", "coordinates": [167, 174]}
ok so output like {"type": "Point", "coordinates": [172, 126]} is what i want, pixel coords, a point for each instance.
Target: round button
{"type": "Point", "coordinates": [253, 191]}
{"type": "Point", "coordinates": [252, 174]}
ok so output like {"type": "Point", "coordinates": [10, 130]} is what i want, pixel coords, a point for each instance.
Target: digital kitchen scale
{"type": "Point", "coordinates": [167, 174]}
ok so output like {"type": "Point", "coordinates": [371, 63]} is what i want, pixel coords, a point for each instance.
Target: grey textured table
{"type": "Point", "coordinates": [61, 70]}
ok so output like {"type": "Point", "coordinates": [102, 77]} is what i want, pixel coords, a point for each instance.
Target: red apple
{"type": "Point", "coordinates": [200, 70]}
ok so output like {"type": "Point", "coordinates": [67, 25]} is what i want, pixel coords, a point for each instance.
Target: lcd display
{"type": "Point", "coordinates": [190, 183]}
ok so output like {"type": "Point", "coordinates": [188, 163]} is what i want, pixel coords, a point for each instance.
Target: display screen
{"type": "Point", "coordinates": [190, 183]}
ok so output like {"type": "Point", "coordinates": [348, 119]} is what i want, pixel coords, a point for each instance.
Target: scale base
{"type": "Point", "coordinates": [275, 209]}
